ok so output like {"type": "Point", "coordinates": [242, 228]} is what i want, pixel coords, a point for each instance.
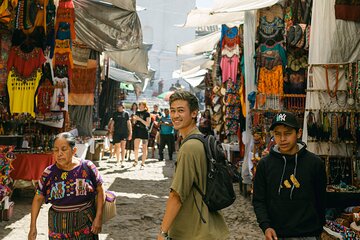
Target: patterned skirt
{"type": "Point", "coordinates": [64, 224]}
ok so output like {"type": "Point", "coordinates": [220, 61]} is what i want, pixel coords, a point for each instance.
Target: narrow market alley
{"type": "Point", "coordinates": [141, 200]}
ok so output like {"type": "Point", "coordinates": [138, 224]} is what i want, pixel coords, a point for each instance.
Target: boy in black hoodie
{"type": "Point", "coordinates": [290, 186]}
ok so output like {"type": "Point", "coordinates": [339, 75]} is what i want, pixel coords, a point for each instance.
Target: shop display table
{"type": "Point", "coordinates": [82, 148]}
{"type": "Point", "coordinates": [342, 199]}
{"type": "Point", "coordinates": [30, 167]}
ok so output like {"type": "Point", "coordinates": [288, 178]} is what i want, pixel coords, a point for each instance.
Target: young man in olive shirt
{"type": "Point", "coordinates": [181, 219]}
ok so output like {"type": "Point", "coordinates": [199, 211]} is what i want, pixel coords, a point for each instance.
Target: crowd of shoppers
{"type": "Point", "coordinates": [289, 184]}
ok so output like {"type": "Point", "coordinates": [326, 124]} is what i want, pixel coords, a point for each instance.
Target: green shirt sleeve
{"type": "Point", "coordinates": [186, 173]}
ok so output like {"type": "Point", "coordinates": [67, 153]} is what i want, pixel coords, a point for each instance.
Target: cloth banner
{"type": "Point", "coordinates": [332, 41]}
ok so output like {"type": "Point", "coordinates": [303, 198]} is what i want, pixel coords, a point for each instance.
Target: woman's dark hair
{"type": "Point", "coordinates": [68, 137]}
{"type": "Point", "coordinates": [186, 96]}
{"type": "Point", "coordinates": [134, 104]}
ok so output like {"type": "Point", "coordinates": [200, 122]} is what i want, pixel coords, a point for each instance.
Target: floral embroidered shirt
{"type": "Point", "coordinates": [72, 187]}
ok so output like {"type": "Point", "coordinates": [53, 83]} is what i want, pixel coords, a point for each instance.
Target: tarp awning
{"type": "Point", "coordinates": [107, 27]}
{"type": "Point", "coordinates": [224, 12]}
{"type": "Point", "coordinates": [190, 63]}
{"type": "Point", "coordinates": [203, 44]}
{"type": "Point", "coordinates": [123, 76]}
{"type": "Point", "coordinates": [195, 81]}
{"type": "Point", "coordinates": [134, 59]}
{"type": "Point", "coordinates": [240, 5]}
{"type": "Point", "coordinates": [203, 17]}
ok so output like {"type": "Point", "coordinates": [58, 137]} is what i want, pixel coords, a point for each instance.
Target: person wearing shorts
{"type": "Point", "coordinates": [120, 126]}
{"type": "Point", "coordinates": [142, 122]}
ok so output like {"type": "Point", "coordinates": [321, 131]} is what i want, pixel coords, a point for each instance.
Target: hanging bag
{"type": "Point", "coordinates": [109, 208]}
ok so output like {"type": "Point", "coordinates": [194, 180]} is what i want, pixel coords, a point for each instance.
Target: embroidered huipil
{"type": "Point", "coordinates": [22, 91]}
{"type": "Point", "coordinates": [271, 81]}
{"type": "Point", "coordinates": [72, 187]}
{"type": "Point", "coordinates": [229, 68]}
{"type": "Point", "coordinates": [25, 63]}
{"type": "Point", "coordinates": [66, 14]}
{"type": "Point", "coordinates": [40, 19]}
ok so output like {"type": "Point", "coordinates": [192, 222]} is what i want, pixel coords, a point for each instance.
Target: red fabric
{"type": "Point", "coordinates": [25, 63]}
{"type": "Point", "coordinates": [30, 166]}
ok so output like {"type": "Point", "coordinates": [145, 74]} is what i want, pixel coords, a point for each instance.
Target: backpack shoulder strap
{"type": "Point", "coordinates": [205, 141]}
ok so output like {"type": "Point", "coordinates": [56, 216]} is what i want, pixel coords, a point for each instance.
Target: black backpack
{"type": "Point", "coordinates": [219, 181]}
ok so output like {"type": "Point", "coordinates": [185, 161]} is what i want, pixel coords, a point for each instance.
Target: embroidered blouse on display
{"type": "Point", "coordinates": [40, 19]}
{"type": "Point", "coordinates": [22, 91]}
{"type": "Point", "coordinates": [66, 15]}
{"type": "Point", "coordinates": [25, 63]}
{"type": "Point", "coordinates": [272, 56]}
{"type": "Point", "coordinates": [60, 187]}
{"type": "Point", "coordinates": [64, 59]}
{"type": "Point", "coordinates": [229, 67]}
{"type": "Point", "coordinates": [229, 52]}
{"type": "Point", "coordinates": [271, 30]}
{"type": "Point", "coordinates": [229, 34]}
{"type": "Point", "coordinates": [63, 32]}
{"type": "Point", "coordinates": [271, 81]}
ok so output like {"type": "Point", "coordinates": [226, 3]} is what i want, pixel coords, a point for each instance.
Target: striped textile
{"type": "Point", "coordinates": [72, 222]}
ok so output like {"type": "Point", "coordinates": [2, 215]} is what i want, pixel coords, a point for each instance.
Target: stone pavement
{"type": "Point", "coordinates": [141, 199]}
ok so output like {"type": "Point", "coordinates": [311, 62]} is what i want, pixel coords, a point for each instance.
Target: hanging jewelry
{"type": "Point", "coordinates": [350, 83]}
{"type": "Point", "coordinates": [332, 93]}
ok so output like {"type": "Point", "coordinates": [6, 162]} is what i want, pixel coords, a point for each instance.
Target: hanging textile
{"type": "Point", "coordinates": [229, 67]}
{"type": "Point", "coordinates": [22, 91]}
{"type": "Point", "coordinates": [348, 10]}
{"type": "Point", "coordinates": [61, 94]}
{"type": "Point", "coordinates": [5, 45]}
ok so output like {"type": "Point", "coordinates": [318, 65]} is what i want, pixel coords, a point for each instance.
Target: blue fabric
{"type": "Point", "coordinates": [165, 129]}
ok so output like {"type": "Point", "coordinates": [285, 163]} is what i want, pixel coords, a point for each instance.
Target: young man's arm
{"type": "Point", "coordinates": [173, 206]}
{"type": "Point", "coordinates": [259, 201]}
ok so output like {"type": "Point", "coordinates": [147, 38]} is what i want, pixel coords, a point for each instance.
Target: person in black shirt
{"type": "Point", "coordinates": [120, 127]}
{"type": "Point", "coordinates": [142, 122]}
{"type": "Point", "coordinates": [289, 185]}
{"type": "Point", "coordinates": [154, 129]}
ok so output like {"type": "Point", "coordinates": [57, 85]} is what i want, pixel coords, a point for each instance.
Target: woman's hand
{"type": "Point", "coordinates": [96, 225]}
{"type": "Point", "coordinates": [32, 233]}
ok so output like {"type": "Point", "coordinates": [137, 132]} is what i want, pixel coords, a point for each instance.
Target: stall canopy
{"type": "Point", "coordinates": [224, 12]}
{"type": "Point", "coordinates": [203, 44]}
{"type": "Point", "coordinates": [203, 61]}
{"type": "Point", "coordinates": [118, 31]}
{"type": "Point", "coordinates": [123, 76]}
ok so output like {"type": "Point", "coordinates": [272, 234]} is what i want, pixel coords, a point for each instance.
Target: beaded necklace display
{"type": "Point", "coordinates": [350, 75]}
{"type": "Point", "coordinates": [332, 93]}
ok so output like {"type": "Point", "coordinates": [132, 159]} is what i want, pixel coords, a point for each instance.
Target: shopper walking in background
{"type": "Point", "coordinates": [70, 185]}
{"type": "Point", "coordinates": [120, 127]}
{"type": "Point", "coordinates": [142, 122]}
{"type": "Point", "coordinates": [166, 135]}
{"type": "Point", "coordinates": [181, 219]}
{"type": "Point", "coordinates": [130, 143]}
{"type": "Point", "coordinates": [154, 129]}
{"type": "Point", "coordinates": [290, 186]}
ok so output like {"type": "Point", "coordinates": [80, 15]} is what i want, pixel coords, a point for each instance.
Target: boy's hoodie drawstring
{"type": "Point", "coordinates": [283, 173]}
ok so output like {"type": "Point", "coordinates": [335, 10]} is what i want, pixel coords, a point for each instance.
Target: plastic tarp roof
{"type": "Point", "coordinates": [240, 5]}
{"type": "Point", "coordinates": [118, 29]}
{"type": "Point", "coordinates": [134, 59]}
{"type": "Point", "coordinates": [123, 76]}
{"type": "Point", "coordinates": [203, 44]}
{"type": "Point", "coordinates": [202, 61]}
{"type": "Point", "coordinates": [224, 12]}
